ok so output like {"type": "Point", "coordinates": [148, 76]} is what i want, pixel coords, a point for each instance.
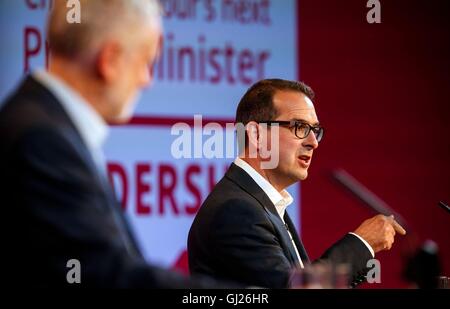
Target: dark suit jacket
{"type": "Point", "coordinates": [239, 235]}
{"type": "Point", "coordinates": [57, 206]}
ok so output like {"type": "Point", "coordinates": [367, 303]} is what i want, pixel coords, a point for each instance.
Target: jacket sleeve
{"type": "Point", "coordinates": [351, 251]}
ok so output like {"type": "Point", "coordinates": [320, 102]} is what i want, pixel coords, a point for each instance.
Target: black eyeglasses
{"type": "Point", "coordinates": [301, 129]}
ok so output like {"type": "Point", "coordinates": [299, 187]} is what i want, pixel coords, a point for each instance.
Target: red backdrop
{"type": "Point", "coordinates": [382, 94]}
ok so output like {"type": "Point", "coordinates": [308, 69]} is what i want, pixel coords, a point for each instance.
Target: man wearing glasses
{"type": "Point", "coordinates": [242, 231]}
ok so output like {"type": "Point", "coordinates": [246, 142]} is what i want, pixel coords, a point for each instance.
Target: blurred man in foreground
{"type": "Point", "coordinates": [53, 180]}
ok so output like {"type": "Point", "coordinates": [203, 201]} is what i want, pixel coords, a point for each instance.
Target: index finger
{"type": "Point", "coordinates": [397, 227]}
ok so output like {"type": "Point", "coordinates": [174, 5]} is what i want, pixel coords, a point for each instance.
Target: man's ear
{"type": "Point", "coordinates": [252, 129]}
{"type": "Point", "coordinates": [109, 61]}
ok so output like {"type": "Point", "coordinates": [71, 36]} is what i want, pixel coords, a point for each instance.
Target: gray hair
{"type": "Point", "coordinates": [100, 20]}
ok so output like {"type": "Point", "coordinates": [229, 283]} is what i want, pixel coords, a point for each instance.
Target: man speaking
{"type": "Point", "coordinates": [242, 231]}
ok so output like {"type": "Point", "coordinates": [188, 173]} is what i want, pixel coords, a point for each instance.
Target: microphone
{"type": "Point", "coordinates": [444, 206]}
{"type": "Point", "coordinates": [423, 264]}
{"type": "Point", "coordinates": [366, 196]}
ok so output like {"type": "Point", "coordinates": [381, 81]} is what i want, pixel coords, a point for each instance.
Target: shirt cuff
{"type": "Point", "coordinates": [366, 243]}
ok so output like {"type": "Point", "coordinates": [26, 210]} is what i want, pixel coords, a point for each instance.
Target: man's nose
{"type": "Point", "coordinates": [146, 77]}
{"type": "Point", "coordinates": [310, 141]}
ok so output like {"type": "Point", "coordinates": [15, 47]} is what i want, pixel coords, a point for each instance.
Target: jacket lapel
{"type": "Point", "coordinates": [298, 243]}
{"type": "Point", "coordinates": [244, 181]}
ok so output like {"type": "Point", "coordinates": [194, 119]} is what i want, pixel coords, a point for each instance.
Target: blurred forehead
{"type": "Point", "coordinates": [293, 105]}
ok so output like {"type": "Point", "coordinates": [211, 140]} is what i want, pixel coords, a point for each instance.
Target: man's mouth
{"type": "Point", "coordinates": [304, 161]}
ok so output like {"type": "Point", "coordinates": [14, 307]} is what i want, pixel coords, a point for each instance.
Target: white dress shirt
{"type": "Point", "coordinates": [91, 126]}
{"type": "Point", "coordinates": [281, 200]}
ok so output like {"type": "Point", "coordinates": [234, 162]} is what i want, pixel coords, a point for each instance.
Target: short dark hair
{"type": "Point", "coordinates": [257, 102]}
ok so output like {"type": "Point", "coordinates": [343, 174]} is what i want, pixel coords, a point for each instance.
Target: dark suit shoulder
{"type": "Point", "coordinates": [228, 203]}
{"type": "Point", "coordinates": [31, 106]}
{"type": "Point", "coordinates": [233, 238]}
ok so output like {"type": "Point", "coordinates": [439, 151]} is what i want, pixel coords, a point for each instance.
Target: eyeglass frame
{"type": "Point", "coordinates": [296, 124]}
